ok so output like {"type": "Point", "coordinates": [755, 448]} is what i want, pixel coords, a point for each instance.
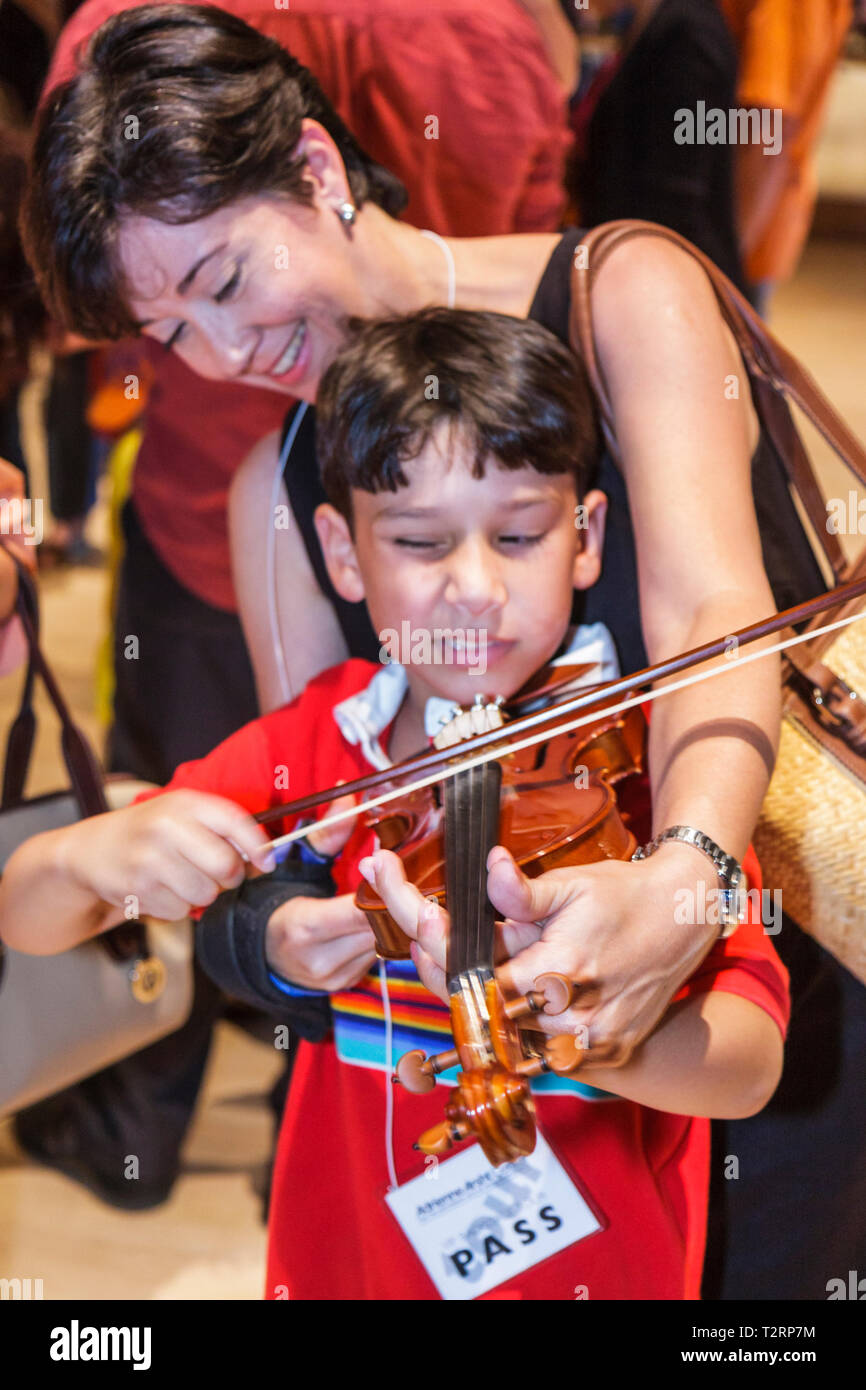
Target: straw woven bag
{"type": "Point", "coordinates": [811, 837]}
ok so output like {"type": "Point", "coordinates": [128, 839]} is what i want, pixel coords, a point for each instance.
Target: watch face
{"type": "Point", "coordinates": [738, 897]}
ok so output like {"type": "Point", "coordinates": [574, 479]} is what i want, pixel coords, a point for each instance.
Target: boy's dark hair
{"type": "Point", "coordinates": [177, 111]}
{"type": "Point", "coordinates": [515, 391]}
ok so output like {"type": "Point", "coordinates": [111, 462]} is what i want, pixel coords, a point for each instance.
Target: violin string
{"type": "Point", "coordinates": [489, 754]}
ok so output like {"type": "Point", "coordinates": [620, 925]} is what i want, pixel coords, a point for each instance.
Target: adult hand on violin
{"type": "Point", "coordinates": [609, 926]}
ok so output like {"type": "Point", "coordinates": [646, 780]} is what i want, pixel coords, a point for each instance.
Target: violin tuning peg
{"type": "Point", "coordinates": [417, 1073]}
{"type": "Point", "coordinates": [557, 992]}
{"type": "Point", "coordinates": [532, 1066]}
{"type": "Point", "coordinates": [563, 1054]}
{"type": "Point", "coordinates": [552, 995]}
{"type": "Point", "coordinates": [442, 1137]}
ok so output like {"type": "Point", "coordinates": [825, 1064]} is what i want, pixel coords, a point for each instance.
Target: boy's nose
{"type": "Point", "coordinates": [474, 584]}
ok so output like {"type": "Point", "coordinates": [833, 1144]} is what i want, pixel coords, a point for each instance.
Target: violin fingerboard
{"type": "Point", "coordinates": [471, 831]}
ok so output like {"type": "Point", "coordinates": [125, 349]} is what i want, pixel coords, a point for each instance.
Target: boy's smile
{"type": "Point", "coordinates": [472, 577]}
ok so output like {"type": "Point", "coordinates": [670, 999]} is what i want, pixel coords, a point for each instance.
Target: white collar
{"type": "Point", "coordinates": [362, 718]}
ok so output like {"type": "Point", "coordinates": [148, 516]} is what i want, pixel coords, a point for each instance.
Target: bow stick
{"type": "Point", "coordinates": [489, 745]}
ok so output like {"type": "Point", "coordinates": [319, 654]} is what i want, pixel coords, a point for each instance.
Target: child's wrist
{"type": "Point", "coordinates": [67, 856]}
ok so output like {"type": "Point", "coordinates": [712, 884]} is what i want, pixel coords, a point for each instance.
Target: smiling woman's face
{"type": "Point", "coordinates": [257, 292]}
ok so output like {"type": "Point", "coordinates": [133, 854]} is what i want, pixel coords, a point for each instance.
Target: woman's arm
{"type": "Point", "coordinates": [686, 441]}
{"type": "Point", "coordinates": [686, 446]}
{"type": "Point", "coordinates": [293, 607]}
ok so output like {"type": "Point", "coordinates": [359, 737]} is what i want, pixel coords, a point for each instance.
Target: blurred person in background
{"type": "Point", "coordinates": [23, 322]}
{"type": "Point", "coordinates": [560, 39]}
{"type": "Point", "coordinates": [22, 317]}
{"type": "Point", "coordinates": [670, 55]}
{"type": "Point", "coordinates": [788, 52]}
{"type": "Point", "coordinates": [28, 33]}
{"type": "Point", "coordinates": [458, 100]}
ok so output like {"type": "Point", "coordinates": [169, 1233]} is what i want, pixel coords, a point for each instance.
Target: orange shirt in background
{"type": "Point", "coordinates": [788, 52]}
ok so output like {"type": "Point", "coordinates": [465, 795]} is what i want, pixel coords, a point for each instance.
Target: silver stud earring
{"type": "Point", "coordinates": [347, 212]}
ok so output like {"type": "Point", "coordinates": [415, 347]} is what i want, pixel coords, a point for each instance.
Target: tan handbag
{"type": "Point", "coordinates": [810, 838]}
{"type": "Point", "coordinates": [66, 1016]}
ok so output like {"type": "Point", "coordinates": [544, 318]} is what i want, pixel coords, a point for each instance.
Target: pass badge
{"type": "Point", "coordinates": [473, 1226]}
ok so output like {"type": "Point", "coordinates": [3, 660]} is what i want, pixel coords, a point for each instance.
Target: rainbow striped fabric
{"type": "Point", "coordinates": [418, 1020]}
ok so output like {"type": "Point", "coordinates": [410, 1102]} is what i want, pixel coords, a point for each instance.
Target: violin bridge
{"type": "Point", "coordinates": [481, 717]}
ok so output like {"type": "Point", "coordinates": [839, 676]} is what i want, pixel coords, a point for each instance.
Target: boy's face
{"type": "Point", "coordinates": [468, 581]}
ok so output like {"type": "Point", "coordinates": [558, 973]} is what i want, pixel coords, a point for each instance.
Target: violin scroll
{"type": "Point", "coordinates": [491, 1104]}
{"type": "Point", "coordinates": [492, 1101]}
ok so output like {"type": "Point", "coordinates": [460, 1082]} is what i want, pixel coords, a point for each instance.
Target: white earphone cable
{"type": "Point", "coordinates": [449, 260]}
{"type": "Point", "coordinates": [277, 647]}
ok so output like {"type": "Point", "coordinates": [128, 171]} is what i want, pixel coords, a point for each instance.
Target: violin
{"type": "Point", "coordinates": [545, 786]}
{"type": "Point", "coordinates": [550, 805]}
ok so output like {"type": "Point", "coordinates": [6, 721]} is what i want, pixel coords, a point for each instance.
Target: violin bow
{"type": "Point", "coordinates": [555, 718]}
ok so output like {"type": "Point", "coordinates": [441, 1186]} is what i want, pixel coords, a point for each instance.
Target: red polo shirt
{"type": "Point", "coordinates": [644, 1172]}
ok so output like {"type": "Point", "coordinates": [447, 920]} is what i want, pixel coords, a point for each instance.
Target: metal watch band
{"type": "Point", "coordinates": [731, 876]}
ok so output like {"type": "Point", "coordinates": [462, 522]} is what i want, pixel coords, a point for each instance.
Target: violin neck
{"type": "Point", "coordinates": [471, 801]}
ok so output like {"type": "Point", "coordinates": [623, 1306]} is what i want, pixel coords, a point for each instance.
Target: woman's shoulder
{"type": "Point", "coordinates": [256, 472]}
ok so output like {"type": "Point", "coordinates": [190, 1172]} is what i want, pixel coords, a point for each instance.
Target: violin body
{"type": "Point", "coordinates": [557, 808]}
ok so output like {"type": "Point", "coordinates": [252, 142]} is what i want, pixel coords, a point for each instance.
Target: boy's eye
{"type": "Point", "coordinates": [229, 287]}
{"type": "Point", "coordinates": [521, 540]}
{"type": "Point", "coordinates": [409, 543]}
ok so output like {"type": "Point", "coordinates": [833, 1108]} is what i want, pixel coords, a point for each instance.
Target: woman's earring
{"type": "Point", "coordinates": [347, 212]}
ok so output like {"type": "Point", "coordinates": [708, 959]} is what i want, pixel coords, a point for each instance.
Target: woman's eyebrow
{"type": "Point", "coordinates": [187, 280]}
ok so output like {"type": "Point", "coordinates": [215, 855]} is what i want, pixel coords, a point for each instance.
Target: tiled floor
{"type": "Point", "coordinates": [208, 1241]}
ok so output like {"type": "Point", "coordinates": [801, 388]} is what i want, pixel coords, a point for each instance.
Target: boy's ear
{"type": "Point", "coordinates": [338, 549]}
{"type": "Point", "coordinates": [590, 519]}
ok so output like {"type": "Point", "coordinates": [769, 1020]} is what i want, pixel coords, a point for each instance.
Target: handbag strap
{"type": "Point", "coordinates": [128, 940]}
{"type": "Point", "coordinates": [81, 764]}
{"type": "Point", "coordinates": [774, 374]}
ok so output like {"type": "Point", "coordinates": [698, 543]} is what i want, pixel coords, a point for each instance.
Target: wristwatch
{"type": "Point", "coordinates": [732, 880]}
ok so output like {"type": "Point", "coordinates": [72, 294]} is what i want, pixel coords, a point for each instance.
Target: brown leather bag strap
{"type": "Point", "coordinates": [773, 372]}
{"type": "Point", "coordinates": [127, 941]}
{"type": "Point", "coordinates": [81, 764]}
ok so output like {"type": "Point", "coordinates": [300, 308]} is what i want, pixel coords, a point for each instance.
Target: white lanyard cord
{"type": "Point", "coordinates": [389, 1085]}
